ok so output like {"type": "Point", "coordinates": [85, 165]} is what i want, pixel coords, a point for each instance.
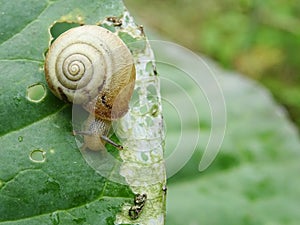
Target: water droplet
{"type": "Point", "coordinates": [38, 156]}
{"type": "Point", "coordinates": [36, 92]}
{"type": "Point", "coordinates": [20, 138]}
{"type": "Point", "coordinates": [54, 217]}
{"type": "Point", "coordinates": [154, 111]}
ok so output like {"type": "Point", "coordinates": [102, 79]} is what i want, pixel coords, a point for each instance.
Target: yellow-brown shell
{"type": "Point", "coordinates": [92, 66]}
{"type": "Point", "coordinates": [113, 100]}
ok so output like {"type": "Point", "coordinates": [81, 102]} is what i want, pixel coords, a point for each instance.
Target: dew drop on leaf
{"type": "Point", "coordinates": [154, 110]}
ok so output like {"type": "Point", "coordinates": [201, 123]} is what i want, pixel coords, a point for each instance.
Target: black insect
{"type": "Point", "coordinates": [137, 208]}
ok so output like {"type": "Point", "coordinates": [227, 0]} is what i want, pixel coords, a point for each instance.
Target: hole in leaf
{"type": "Point", "coordinates": [149, 121]}
{"type": "Point", "coordinates": [145, 156]}
{"type": "Point", "coordinates": [20, 138]}
{"type": "Point", "coordinates": [36, 92]}
{"type": "Point", "coordinates": [108, 27]}
{"type": "Point", "coordinates": [38, 156]}
{"type": "Point", "coordinates": [59, 28]}
{"type": "Point", "coordinates": [150, 68]}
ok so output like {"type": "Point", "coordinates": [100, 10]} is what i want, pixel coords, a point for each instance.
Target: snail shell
{"type": "Point", "coordinates": [91, 66]}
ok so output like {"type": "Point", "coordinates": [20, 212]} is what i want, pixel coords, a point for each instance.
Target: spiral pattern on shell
{"type": "Point", "coordinates": [81, 62]}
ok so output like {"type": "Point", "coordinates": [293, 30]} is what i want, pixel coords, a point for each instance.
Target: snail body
{"type": "Point", "coordinates": [91, 66]}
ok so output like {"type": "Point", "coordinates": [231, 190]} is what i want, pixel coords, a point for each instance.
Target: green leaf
{"type": "Point", "coordinates": [250, 194]}
{"type": "Point", "coordinates": [254, 179]}
{"type": "Point", "coordinates": [43, 176]}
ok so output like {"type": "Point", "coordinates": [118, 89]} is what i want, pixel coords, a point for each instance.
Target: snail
{"type": "Point", "coordinates": [91, 66]}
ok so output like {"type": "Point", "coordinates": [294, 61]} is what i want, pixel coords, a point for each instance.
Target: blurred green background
{"type": "Point", "coordinates": [260, 39]}
{"type": "Point", "coordinates": [255, 178]}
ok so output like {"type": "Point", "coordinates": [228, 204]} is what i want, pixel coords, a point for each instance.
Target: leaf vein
{"type": "Point", "coordinates": [28, 24]}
